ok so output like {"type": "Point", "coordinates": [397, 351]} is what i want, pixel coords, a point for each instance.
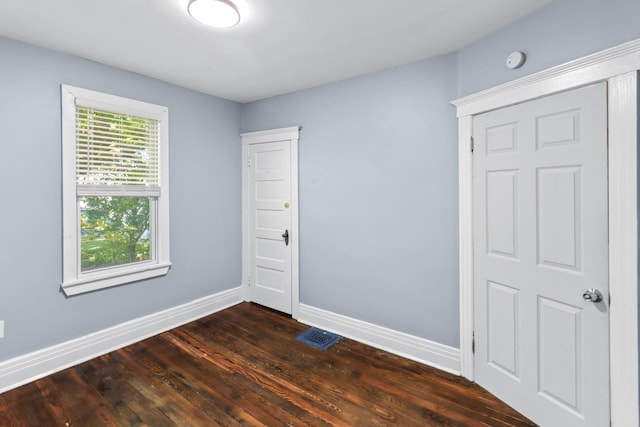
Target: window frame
{"type": "Point", "coordinates": [74, 281]}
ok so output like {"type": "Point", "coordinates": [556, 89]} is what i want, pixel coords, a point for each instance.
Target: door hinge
{"type": "Point", "coordinates": [471, 145]}
{"type": "Point", "coordinates": [249, 162]}
{"type": "Point", "coordinates": [248, 280]}
{"type": "Point", "coordinates": [473, 342]}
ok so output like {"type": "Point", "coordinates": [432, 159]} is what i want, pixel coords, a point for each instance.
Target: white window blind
{"type": "Point", "coordinates": [116, 153]}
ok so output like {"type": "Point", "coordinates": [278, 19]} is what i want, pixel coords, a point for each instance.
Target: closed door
{"type": "Point", "coordinates": [269, 192]}
{"type": "Point", "coordinates": [541, 257]}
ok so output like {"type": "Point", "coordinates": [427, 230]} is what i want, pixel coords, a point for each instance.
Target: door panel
{"type": "Point", "coordinates": [559, 217]}
{"type": "Point", "coordinates": [560, 369]}
{"type": "Point", "coordinates": [540, 240]}
{"type": "Point", "coordinates": [502, 214]}
{"type": "Point", "coordinates": [269, 195]}
{"type": "Point", "coordinates": [503, 332]}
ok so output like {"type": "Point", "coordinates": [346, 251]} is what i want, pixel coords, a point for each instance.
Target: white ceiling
{"type": "Point", "coordinates": [279, 46]}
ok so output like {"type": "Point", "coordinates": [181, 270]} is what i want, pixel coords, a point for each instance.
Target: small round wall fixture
{"type": "Point", "coordinates": [214, 13]}
{"type": "Point", "coordinates": [515, 60]}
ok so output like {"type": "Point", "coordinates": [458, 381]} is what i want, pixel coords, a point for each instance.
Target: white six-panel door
{"type": "Point", "coordinates": [540, 242]}
{"type": "Point", "coordinates": [270, 220]}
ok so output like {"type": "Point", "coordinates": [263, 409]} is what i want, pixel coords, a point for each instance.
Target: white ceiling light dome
{"type": "Point", "coordinates": [214, 13]}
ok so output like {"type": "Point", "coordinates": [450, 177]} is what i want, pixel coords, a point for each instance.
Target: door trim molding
{"type": "Point", "coordinates": [619, 67]}
{"type": "Point", "coordinates": [291, 134]}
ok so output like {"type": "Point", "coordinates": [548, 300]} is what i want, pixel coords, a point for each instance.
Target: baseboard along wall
{"type": "Point", "coordinates": [421, 350]}
{"type": "Point", "coordinates": [30, 367]}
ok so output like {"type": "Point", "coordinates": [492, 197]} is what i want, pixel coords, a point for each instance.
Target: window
{"type": "Point", "coordinates": [115, 190]}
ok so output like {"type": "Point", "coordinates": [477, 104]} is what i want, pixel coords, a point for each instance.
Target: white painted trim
{"type": "Point", "coordinates": [271, 135]}
{"type": "Point", "coordinates": [245, 223]}
{"type": "Point", "coordinates": [597, 67]}
{"type": "Point", "coordinates": [74, 281]}
{"type": "Point", "coordinates": [291, 134]}
{"type": "Point", "coordinates": [623, 248]}
{"type": "Point", "coordinates": [465, 200]}
{"type": "Point", "coordinates": [618, 66]}
{"type": "Point", "coordinates": [30, 367]}
{"type": "Point", "coordinates": [419, 349]}
{"type": "Point", "coordinates": [295, 242]}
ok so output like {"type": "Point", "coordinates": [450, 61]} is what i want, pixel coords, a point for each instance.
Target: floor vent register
{"type": "Point", "coordinates": [319, 338]}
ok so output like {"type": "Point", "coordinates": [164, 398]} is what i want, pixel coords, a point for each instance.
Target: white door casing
{"type": "Point", "coordinates": [540, 241]}
{"type": "Point", "coordinates": [618, 67]}
{"type": "Point", "coordinates": [270, 209]}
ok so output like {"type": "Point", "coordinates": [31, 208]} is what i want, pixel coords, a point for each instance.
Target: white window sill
{"type": "Point", "coordinates": [102, 280]}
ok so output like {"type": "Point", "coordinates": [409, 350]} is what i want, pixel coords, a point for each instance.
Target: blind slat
{"type": "Point", "coordinates": [96, 132]}
{"type": "Point", "coordinates": [118, 190]}
{"type": "Point", "coordinates": [111, 151]}
{"type": "Point", "coordinates": [115, 149]}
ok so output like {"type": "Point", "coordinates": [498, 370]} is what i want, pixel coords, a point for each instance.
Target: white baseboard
{"type": "Point", "coordinates": [30, 367]}
{"type": "Point", "coordinates": [419, 349]}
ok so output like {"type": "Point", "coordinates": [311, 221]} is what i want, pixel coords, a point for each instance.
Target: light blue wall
{"type": "Point", "coordinates": [378, 181]}
{"type": "Point", "coordinates": [560, 32]}
{"type": "Point", "coordinates": [378, 195]}
{"type": "Point", "coordinates": [205, 200]}
{"type": "Point", "coordinates": [378, 166]}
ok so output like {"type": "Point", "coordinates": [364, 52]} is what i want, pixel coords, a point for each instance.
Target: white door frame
{"type": "Point", "coordinates": [291, 134]}
{"type": "Point", "coordinates": [619, 67]}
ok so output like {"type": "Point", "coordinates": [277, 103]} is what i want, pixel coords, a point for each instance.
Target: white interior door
{"type": "Point", "coordinates": [270, 224]}
{"type": "Point", "coordinates": [540, 242]}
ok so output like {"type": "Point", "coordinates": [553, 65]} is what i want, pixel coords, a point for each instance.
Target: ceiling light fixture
{"type": "Point", "coordinates": [214, 13]}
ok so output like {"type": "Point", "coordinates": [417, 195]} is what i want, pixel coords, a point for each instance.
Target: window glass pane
{"type": "Point", "coordinates": [114, 230]}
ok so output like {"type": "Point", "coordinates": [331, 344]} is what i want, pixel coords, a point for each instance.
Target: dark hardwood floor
{"type": "Point", "coordinates": [243, 366]}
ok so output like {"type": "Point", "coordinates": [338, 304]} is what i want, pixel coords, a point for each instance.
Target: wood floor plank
{"type": "Point", "coordinates": [6, 415]}
{"type": "Point", "coordinates": [315, 393]}
{"type": "Point", "coordinates": [331, 371]}
{"type": "Point", "coordinates": [82, 403]}
{"type": "Point", "coordinates": [217, 390]}
{"type": "Point", "coordinates": [245, 388]}
{"type": "Point", "coordinates": [48, 393]}
{"type": "Point", "coordinates": [243, 366]}
{"type": "Point", "coordinates": [277, 385]}
{"type": "Point", "coordinates": [21, 400]}
{"type": "Point", "coordinates": [178, 400]}
{"type": "Point", "coordinates": [112, 382]}
{"type": "Point", "coordinates": [162, 397]}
